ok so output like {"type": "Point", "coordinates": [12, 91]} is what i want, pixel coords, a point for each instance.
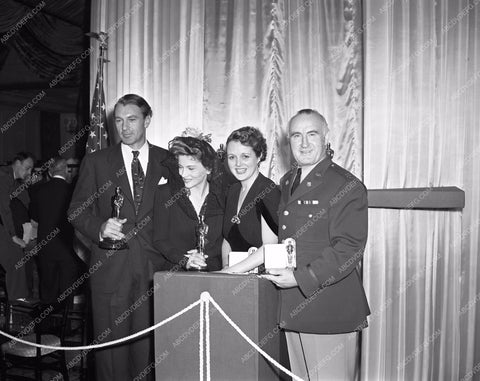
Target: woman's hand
{"type": "Point", "coordinates": [195, 260]}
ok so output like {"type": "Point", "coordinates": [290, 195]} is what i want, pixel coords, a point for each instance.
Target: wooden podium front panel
{"type": "Point", "coordinates": [251, 302]}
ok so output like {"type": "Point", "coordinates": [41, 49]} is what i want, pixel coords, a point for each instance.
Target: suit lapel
{"type": "Point", "coordinates": [152, 177]}
{"type": "Point", "coordinates": [118, 167]}
{"type": "Point", "coordinates": [150, 181]}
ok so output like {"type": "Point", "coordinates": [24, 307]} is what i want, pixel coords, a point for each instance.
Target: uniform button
{"type": "Point", "coordinates": [310, 215]}
{"type": "Point", "coordinates": [287, 182]}
{"type": "Point", "coordinates": [309, 184]}
{"type": "Point", "coordinates": [283, 227]}
{"type": "Point", "coordinates": [285, 213]}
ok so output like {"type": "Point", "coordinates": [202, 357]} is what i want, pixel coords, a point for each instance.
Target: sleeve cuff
{"type": "Point", "coordinates": [307, 280]}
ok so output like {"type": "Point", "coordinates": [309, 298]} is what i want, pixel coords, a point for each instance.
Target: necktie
{"type": "Point", "coordinates": [296, 182]}
{"type": "Point", "coordinates": [138, 178]}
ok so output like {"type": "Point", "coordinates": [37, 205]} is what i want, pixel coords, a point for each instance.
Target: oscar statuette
{"type": "Point", "coordinates": [109, 243]}
{"type": "Point", "coordinates": [202, 230]}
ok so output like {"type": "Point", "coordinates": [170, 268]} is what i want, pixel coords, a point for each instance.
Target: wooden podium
{"type": "Point", "coordinates": [251, 302]}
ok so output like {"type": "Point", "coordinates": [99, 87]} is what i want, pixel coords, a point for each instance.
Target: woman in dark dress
{"type": "Point", "coordinates": [184, 203]}
{"type": "Point", "coordinates": [251, 218]}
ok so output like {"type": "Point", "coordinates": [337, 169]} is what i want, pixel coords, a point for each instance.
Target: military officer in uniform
{"type": "Point", "coordinates": [323, 303]}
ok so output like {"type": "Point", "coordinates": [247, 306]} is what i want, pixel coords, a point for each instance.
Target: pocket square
{"type": "Point", "coordinates": [162, 181]}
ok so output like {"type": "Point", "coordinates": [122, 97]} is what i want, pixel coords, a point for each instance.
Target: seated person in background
{"type": "Point", "coordinates": [251, 218]}
{"type": "Point", "coordinates": [184, 201]}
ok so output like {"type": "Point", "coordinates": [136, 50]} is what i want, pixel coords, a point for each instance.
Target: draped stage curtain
{"type": "Point", "coordinates": [155, 49]}
{"type": "Point", "coordinates": [399, 85]}
{"type": "Point", "coordinates": [422, 93]}
{"type": "Point", "coordinates": [46, 45]}
{"type": "Point", "coordinates": [220, 65]}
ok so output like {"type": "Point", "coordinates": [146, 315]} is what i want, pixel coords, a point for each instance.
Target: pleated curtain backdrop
{"type": "Point", "coordinates": [155, 49]}
{"type": "Point", "coordinates": [399, 85]}
{"type": "Point", "coordinates": [220, 65]}
{"type": "Point", "coordinates": [422, 97]}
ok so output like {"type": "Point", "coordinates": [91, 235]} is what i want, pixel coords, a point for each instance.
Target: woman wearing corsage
{"type": "Point", "coordinates": [188, 210]}
{"type": "Point", "coordinates": [251, 218]}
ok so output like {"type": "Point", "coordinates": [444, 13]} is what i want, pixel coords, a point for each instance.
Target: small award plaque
{"type": "Point", "coordinates": [109, 243]}
{"type": "Point", "coordinates": [281, 255]}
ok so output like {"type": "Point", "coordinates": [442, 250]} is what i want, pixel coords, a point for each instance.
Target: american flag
{"type": "Point", "coordinates": [98, 136]}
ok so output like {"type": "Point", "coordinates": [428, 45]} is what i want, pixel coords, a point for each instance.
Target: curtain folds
{"type": "Point", "coordinates": [421, 125]}
{"type": "Point", "coordinates": [155, 49]}
{"type": "Point", "coordinates": [243, 69]}
{"type": "Point", "coordinates": [399, 84]}
{"type": "Point", "coordinates": [46, 45]}
{"type": "Point", "coordinates": [276, 58]}
{"type": "Point", "coordinates": [324, 71]}
{"type": "Point", "coordinates": [221, 65]}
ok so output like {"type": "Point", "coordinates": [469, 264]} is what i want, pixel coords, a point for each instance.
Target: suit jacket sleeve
{"type": "Point", "coordinates": [5, 211]}
{"type": "Point", "coordinates": [82, 213]}
{"type": "Point", "coordinates": [162, 241]}
{"type": "Point", "coordinates": [348, 228]}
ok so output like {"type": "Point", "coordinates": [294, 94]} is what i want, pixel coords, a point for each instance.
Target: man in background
{"type": "Point", "coordinates": [11, 245]}
{"type": "Point", "coordinates": [58, 264]}
{"type": "Point", "coordinates": [73, 168]}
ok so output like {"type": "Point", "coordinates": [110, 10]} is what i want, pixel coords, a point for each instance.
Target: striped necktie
{"type": "Point", "coordinates": [138, 178]}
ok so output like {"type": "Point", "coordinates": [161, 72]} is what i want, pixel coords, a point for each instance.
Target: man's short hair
{"type": "Point", "coordinates": [310, 111]}
{"type": "Point", "coordinates": [58, 166]}
{"type": "Point", "coordinates": [137, 100]}
{"type": "Point", "coordinates": [22, 156]}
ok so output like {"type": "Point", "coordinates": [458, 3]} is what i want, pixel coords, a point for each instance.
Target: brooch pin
{"type": "Point", "coordinates": [235, 219]}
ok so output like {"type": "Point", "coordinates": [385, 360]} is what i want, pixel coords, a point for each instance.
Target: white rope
{"type": "Point", "coordinates": [200, 341]}
{"type": "Point", "coordinates": [263, 353]}
{"type": "Point", "coordinates": [207, 333]}
{"type": "Point", "coordinates": [109, 343]}
{"type": "Point", "coordinates": [204, 314]}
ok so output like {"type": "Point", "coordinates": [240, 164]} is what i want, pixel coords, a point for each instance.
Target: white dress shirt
{"type": "Point", "coordinates": [128, 157]}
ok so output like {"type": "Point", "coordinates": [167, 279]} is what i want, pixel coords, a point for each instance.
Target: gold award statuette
{"type": "Point", "coordinates": [202, 230]}
{"type": "Point", "coordinates": [110, 243]}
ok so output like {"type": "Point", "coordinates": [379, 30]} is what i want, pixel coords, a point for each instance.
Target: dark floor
{"type": "Point", "coordinates": [20, 319]}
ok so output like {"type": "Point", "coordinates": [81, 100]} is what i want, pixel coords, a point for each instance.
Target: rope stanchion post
{"type": "Point", "coordinates": [207, 336]}
{"type": "Point", "coordinates": [205, 331]}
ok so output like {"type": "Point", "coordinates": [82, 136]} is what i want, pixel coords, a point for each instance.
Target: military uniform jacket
{"type": "Point", "coordinates": [327, 216]}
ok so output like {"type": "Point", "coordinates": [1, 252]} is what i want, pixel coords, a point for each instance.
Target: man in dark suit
{"type": "Point", "coordinates": [121, 280]}
{"type": "Point", "coordinates": [324, 208]}
{"type": "Point", "coordinates": [11, 245]}
{"type": "Point", "coordinates": [58, 265]}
